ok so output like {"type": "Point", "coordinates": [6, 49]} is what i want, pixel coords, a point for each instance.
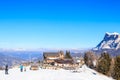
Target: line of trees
{"type": "Point", "coordinates": [105, 64]}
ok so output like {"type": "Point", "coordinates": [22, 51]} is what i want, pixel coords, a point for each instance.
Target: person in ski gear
{"type": "Point", "coordinates": [6, 69]}
{"type": "Point", "coordinates": [21, 68]}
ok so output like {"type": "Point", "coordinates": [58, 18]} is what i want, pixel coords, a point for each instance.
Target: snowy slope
{"type": "Point", "coordinates": [110, 41]}
{"type": "Point", "coordinates": [44, 74]}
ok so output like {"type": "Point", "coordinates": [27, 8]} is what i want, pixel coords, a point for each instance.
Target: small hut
{"type": "Point", "coordinates": [34, 67]}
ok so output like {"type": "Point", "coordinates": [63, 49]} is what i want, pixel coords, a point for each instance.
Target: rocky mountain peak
{"type": "Point", "coordinates": [110, 41]}
{"type": "Point", "coordinates": [111, 36]}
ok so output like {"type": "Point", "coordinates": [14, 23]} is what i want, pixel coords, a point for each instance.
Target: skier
{"type": "Point", "coordinates": [24, 69]}
{"type": "Point", "coordinates": [21, 68]}
{"type": "Point", "coordinates": [6, 69]}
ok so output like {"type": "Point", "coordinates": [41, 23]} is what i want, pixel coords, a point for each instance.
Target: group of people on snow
{"type": "Point", "coordinates": [21, 68]}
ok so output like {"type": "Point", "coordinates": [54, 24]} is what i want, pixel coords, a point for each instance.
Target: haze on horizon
{"type": "Point", "coordinates": [57, 24]}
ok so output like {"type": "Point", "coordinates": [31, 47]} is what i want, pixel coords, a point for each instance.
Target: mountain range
{"type": "Point", "coordinates": [110, 43]}
{"type": "Point", "coordinates": [11, 57]}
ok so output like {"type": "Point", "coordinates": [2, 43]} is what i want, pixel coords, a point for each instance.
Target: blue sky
{"type": "Point", "coordinates": [57, 24]}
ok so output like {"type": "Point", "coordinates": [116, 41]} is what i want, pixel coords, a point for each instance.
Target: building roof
{"type": "Point", "coordinates": [65, 61]}
{"type": "Point", "coordinates": [51, 54]}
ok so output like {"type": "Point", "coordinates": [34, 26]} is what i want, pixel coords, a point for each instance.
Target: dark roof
{"type": "Point", "coordinates": [64, 61]}
{"type": "Point", "coordinates": [51, 54]}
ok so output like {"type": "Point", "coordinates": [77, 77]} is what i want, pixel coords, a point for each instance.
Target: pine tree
{"type": "Point", "coordinates": [117, 68]}
{"type": "Point", "coordinates": [104, 63]}
{"type": "Point", "coordinates": [68, 55]}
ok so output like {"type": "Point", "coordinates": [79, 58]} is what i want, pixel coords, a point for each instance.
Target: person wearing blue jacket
{"type": "Point", "coordinates": [21, 68]}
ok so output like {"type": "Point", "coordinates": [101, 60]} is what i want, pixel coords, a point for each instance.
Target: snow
{"type": "Point", "coordinates": [114, 33]}
{"type": "Point", "coordinates": [83, 73]}
{"type": "Point", "coordinates": [52, 58]}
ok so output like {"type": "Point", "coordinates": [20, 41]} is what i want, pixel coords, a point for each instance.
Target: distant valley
{"type": "Point", "coordinates": [14, 57]}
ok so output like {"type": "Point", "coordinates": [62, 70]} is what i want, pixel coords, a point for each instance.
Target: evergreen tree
{"type": "Point", "coordinates": [117, 68]}
{"type": "Point", "coordinates": [68, 55]}
{"type": "Point", "coordinates": [104, 63]}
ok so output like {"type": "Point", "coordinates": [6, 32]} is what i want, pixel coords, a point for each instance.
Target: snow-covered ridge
{"type": "Point", "coordinates": [110, 41]}
{"type": "Point", "coordinates": [114, 33]}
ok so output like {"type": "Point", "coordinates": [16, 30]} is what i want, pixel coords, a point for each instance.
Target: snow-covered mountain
{"type": "Point", "coordinates": [110, 41]}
